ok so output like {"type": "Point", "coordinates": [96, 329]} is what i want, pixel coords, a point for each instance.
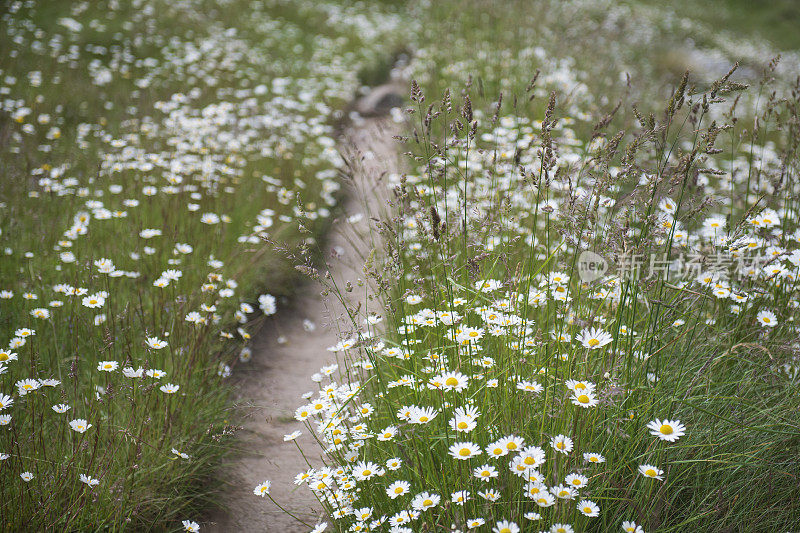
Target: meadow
{"type": "Point", "coordinates": [588, 272]}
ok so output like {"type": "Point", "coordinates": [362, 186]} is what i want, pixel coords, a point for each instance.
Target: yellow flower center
{"type": "Point", "coordinates": [587, 510]}
{"type": "Point", "coordinates": [398, 490]}
{"type": "Point", "coordinates": [451, 382]}
{"type": "Point", "coordinates": [576, 482]}
{"type": "Point", "coordinates": [666, 429]}
{"type": "Point", "coordinates": [423, 419]}
{"type": "Point", "coordinates": [464, 452]}
{"type": "Point", "coordinates": [560, 445]}
{"type": "Point", "coordinates": [511, 446]}
{"type": "Point", "coordinates": [650, 472]}
{"type": "Point", "coordinates": [583, 398]}
{"type": "Point", "coordinates": [593, 342]}
{"type": "Point", "coordinates": [505, 530]}
{"type": "Point", "coordinates": [462, 425]}
{"type": "Point", "coordinates": [427, 503]}
{"type": "Point", "coordinates": [528, 460]}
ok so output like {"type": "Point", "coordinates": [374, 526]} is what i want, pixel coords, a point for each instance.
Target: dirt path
{"type": "Point", "coordinates": [271, 387]}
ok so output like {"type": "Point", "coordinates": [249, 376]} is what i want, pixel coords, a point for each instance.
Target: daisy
{"type": "Point", "coordinates": [192, 527]}
{"type": "Point", "coordinates": [387, 433]}
{"type": "Point", "coordinates": [485, 472]}
{"type": "Point", "coordinates": [394, 463]}
{"type": "Point", "coordinates": [398, 488]}
{"type": "Point", "coordinates": [155, 343]}
{"type": "Point", "coordinates": [532, 490]}
{"type": "Point", "coordinates": [545, 499]}
{"type": "Point", "coordinates": [591, 457]}
{"type": "Point", "coordinates": [422, 415]}
{"type": "Point", "coordinates": [490, 495]}
{"type": "Point", "coordinates": [130, 372]}
{"type": "Point", "coordinates": [460, 497]}
{"type": "Point", "coordinates": [5, 401]}
{"type": "Point", "coordinates": [576, 480]}
{"type": "Point", "coordinates": [61, 408]}
{"type": "Point", "coordinates": [473, 523]}
{"type": "Point", "coordinates": [585, 400]}
{"type": "Point", "coordinates": [580, 387]}
{"type": "Point", "coordinates": [454, 381]}
{"type": "Point", "coordinates": [80, 425]}
{"type": "Point", "coordinates": [26, 476]}
{"type": "Point", "coordinates": [512, 443]}
{"type": "Point", "coordinates": [588, 508]}
{"type": "Point", "coordinates": [668, 430]}
{"type": "Point", "coordinates": [562, 443]}
{"type": "Point", "coordinates": [464, 450]}
{"type": "Point", "coordinates": [767, 319]}
{"type": "Point", "coordinates": [291, 436]}
{"type": "Point", "coordinates": [94, 301]}
{"type": "Point", "coordinates": [27, 385]}
{"type": "Point", "coordinates": [651, 471]}
{"type": "Point", "coordinates": [169, 388]}
{"type": "Point", "coordinates": [631, 527]}
{"type": "Point", "coordinates": [262, 489]}
{"type": "Point", "coordinates": [107, 366]}
{"type": "Point", "coordinates": [365, 470]}
{"type": "Point", "coordinates": [180, 454]}
{"type": "Point", "coordinates": [496, 449]}
{"type": "Point", "coordinates": [561, 528]}
{"type": "Point", "coordinates": [504, 526]}
{"type": "Point", "coordinates": [463, 423]}
{"type": "Point", "coordinates": [530, 386]}
{"type": "Point", "coordinates": [594, 338]}
{"type": "Point", "coordinates": [424, 501]}
{"type": "Point", "coordinates": [89, 480]}
{"type": "Point", "coordinates": [564, 492]}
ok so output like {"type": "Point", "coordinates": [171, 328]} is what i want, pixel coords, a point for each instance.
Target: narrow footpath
{"type": "Point", "coordinates": [271, 386]}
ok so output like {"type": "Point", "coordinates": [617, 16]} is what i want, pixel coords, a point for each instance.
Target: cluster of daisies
{"type": "Point", "coordinates": [496, 404]}
{"type": "Point", "coordinates": [381, 481]}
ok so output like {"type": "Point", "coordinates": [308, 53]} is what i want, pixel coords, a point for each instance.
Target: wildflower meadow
{"type": "Point", "coordinates": [575, 304]}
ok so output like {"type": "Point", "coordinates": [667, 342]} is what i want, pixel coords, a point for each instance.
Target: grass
{"type": "Point", "coordinates": [774, 22]}
{"type": "Point", "coordinates": [491, 324]}
{"type": "Point", "coordinates": [117, 122]}
{"type": "Point", "coordinates": [150, 148]}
